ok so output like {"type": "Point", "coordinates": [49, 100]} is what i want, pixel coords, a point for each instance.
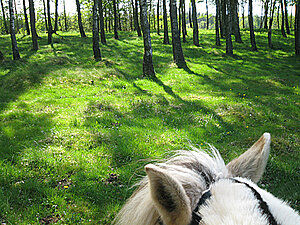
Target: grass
{"type": "Point", "coordinates": [75, 133]}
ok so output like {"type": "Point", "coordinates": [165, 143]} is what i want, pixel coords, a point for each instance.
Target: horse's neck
{"type": "Point", "coordinates": [233, 204]}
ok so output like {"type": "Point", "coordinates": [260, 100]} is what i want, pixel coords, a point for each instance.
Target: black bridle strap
{"type": "Point", "coordinates": [262, 204]}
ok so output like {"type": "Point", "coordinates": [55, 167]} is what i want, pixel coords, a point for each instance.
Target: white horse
{"type": "Point", "coordinates": [197, 188]}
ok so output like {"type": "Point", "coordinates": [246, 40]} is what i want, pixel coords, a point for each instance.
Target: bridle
{"type": "Point", "coordinates": [263, 206]}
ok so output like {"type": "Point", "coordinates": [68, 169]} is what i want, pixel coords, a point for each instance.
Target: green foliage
{"type": "Point", "coordinates": [75, 133]}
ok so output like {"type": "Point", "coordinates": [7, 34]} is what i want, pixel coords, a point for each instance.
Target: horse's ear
{"type": "Point", "coordinates": [169, 197]}
{"type": "Point", "coordinates": [252, 163]}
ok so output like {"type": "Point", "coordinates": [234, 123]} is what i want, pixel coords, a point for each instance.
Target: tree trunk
{"type": "Point", "coordinates": [190, 17]}
{"type": "Point", "coordinates": [96, 47]}
{"type": "Point", "coordinates": [252, 35]}
{"type": "Point", "coordinates": [286, 18]}
{"type": "Point", "coordinates": [183, 22]}
{"type": "Point", "coordinates": [222, 19]}
{"type": "Point", "coordinates": [297, 28]}
{"type": "Point", "coordinates": [227, 25]}
{"type": "Point", "coordinates": [116, 36]}
{"type": "Point", "coordinates": [26, 18]}
{"type": "Point", "coordinates": [166, 32]}
{"type": "Point", "coordinates": [158, 17]}
{"type": "Point", "coordinates": [15, 49]}
{"type": "Point", "coordinates": [49, 23]}
{"type": "Point", "coordinates": [266, 14]}
{"type": "Point", "coordinates": [35, 45]}
{"type": "Point", "coordinates": [101, 19]}
{"type": "Point", "coordinates": [56, 17]}
{"type": "Point", "coordinates": [218, 42]}
{"type": "Point", "coordinates": [282, 22]}
{"type": "Point", "coordinates": [278, 19]}
{"type": "Point", "coordinates": [207, 19]}
{"type": "Point", "coordinates": [243, 14]}
{"type": "Point", "coordinates": [148, 69]}
{"type": "Point", "coordinates": [16, 18]}
{"type": "Point", "coordinates": [176, 43]}
{"type": "Point", "coordinates": [270, 24]}
{"type": "Point", "coordinates": [4, 18]}
{"type": "Point", "coordinates": [82, 33]}
{"type": "Point", "coordinates": [235, 21]}
{"type": "Point", "coordinates": [65, 17]}
{"type": "Point", "coordinates": [45, 15]}
{"type": "Point", "coordinates": [135, 17]}
{"type": "Point", "coordinates": [1, 56]}
{"type": "Point", "coordinates": [195, 24]}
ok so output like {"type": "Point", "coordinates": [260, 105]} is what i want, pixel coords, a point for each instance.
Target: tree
{"type": "Point", "coordinates": [135, 17]}
{"type": "Point", "coordinates": [176, 43]}
{"type": "Point", "coordinates": [4, 17]}
{"type": "Point", "coordinates": [297, 28]}
{"type": "Point", "coordinates": [35, 45]}
{"type": "Point", "coordinates": [56, 17]}
{"type": "Point", "coordinates": [195, 24]}
{"type": "Point", "coordinates": [218, 42]}
{"type": "Point", "coordinates": [1, 56]}
{"type": "Point", "coordinates": [49, 23]}
{"type": "Point", "coordinates": [282, 22]}
{"type": "Point", "coordinates": [116, 36]}
{"type": "Point", "coordinates": [101, 19]}
{"type": "Point", "coordinates": [235, 21]}
{"type": "Point", "coordinates": [250, 19]}
{"type": "Point", "coordinates": [227, 24]}
{"type": "Point", "coordinates": [157, 16]}
{"type": "Point", "coordinates": [270, 24]}
{"type": "Point", "coordinates": [82, 33]}
{"type": "Point", "coordinates": [148, 68]}
{"type": "Point", "coordinates": [166, 33]}
{"type": "Point", "coordinates": [182, 12]}
{"type": "Point", "coordinates": [26, 18]}
{"type": "Point", "coordinates": [45, 15]}
{"type": "Point", "coordinates": [286, 18]}
{"type": "Point", "coordinates": [14, 43]}
{"type": "Point", "coordinates": [65, 17]}
{"type": "Point", "coordinates": [96, 47]}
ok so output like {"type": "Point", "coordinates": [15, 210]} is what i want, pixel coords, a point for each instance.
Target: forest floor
{"type": "Point", "coordinates": [75, 134]}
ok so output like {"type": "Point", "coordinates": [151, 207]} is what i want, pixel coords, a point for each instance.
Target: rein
{"type": "Point", "coordinates": [263, 206]}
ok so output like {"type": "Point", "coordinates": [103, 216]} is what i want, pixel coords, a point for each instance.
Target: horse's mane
{"type": "Point", "coordinates": [195, 170]}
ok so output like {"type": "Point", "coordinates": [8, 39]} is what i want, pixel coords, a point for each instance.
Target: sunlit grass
{"type": "Point", "coordinates": [75, 133]}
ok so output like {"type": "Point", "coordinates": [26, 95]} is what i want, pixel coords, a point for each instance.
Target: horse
{"type": "Point", "coordinates": [195, 187]}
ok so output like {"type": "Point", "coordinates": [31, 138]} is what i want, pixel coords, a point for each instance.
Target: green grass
{"type": "Point", "coordinates": [70, 148]}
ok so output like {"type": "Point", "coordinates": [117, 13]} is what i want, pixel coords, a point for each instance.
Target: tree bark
{"type": "Point", "coordinates": [158, 16]}
{"type": "Point", "coordinates": [96, 47]}
{"type": "Point", "coordinates": [16, 18]}
{"type": "Point", "coordinates": [207, 19]}
{"type": "Point", "coordinates": [49, 23]}
{"type": "Point", "coordinates": [218, 42]}
{"type": "Point", "coordinates": [26, 18]}
{"type": "Point", "coordinates": [235, 21]}
{"type": "Point", "coordinates": [135, 17]}
{"type": "Point", "coordinates": [195, 24]}
{"type": "Point", "coordinates": [35, 45]}
{"type": "Point", "coordinates": [229, 47]}
{"type": "Point", "coordinates": [65, 17]}
{"type": "Point", "coordinates": [286, 18]}
{"type": "Point", "coordinates": [4, 18]}
{"type": "Point", "coordinates": [190, 17]}
{"type": "Point", "coordinates": [270, 24]}
{"type": "Point", "coordinates": [148, 68]}
{"type": "Point", "coordinates": [252, 35]}
{"type": "Point", "coordinates": [297, 28]}
{"type": "Point", "coordinates": [266, 14]}
{"type": "Point", "coordinates": [14, 43]}
{"type": "Point", "coordinates": [82, 33]}
{"type": "Point", "coordinates": [183, 22]}
{"type": "Point", "coordinates": [56, 17]}
{"type": "Point", "coordinates": [166, 32]}
{"type": "Point", "coordinates": [45, 15]}
{"type": "Point", "coordinates": [176, 43]}
{"type": "Point", "coordinates": [243, 14]}
{"type": "Point", "coordinates": [282, 22]}
{"type": "Point", "coordinates": [116, 36]}
{"type": "Point", "coordinates": [101, 19]}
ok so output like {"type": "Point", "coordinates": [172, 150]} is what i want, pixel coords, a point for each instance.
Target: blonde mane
{"type": "Point", "coordinates": [188, 167]}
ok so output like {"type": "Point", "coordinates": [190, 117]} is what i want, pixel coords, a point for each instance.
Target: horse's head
{"type": "Point", "coordinates": [195, 187]}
